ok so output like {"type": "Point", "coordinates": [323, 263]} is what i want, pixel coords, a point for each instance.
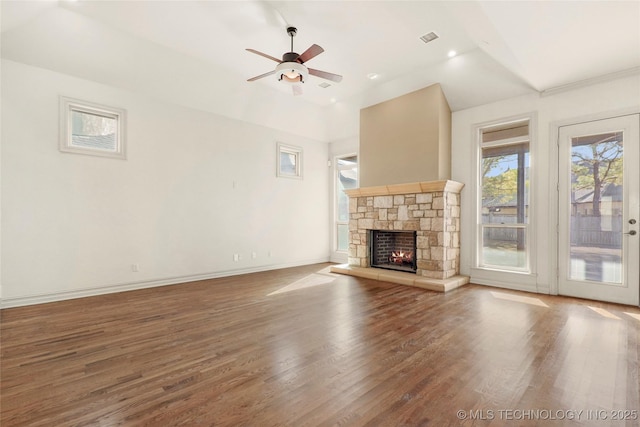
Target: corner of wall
{"type": "Point", "coordinates": [444, 130]}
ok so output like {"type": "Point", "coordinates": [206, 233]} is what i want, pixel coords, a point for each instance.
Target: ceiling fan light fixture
{"type": "Point", "coordinates": [292, 72]}
{"type": "Point", "coordinates": [291, 69]}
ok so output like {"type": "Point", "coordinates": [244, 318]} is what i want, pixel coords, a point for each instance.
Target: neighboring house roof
{"type": "Point", "coordinates": [613, 191]}
{"type": "Point", "coordinates": [498, 202]}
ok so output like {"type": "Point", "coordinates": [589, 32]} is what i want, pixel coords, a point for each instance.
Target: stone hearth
{"type": "Point", "coordinates": [432, 209]}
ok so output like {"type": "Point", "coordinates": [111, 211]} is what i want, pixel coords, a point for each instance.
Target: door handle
{"type": "Point", "coordinates": [631, 233]}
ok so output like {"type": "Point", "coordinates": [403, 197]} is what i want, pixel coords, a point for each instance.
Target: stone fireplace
{"type": "Point", "coordinates": [404, 169]}
{"type": "Point", "coordinates": [431, 210]}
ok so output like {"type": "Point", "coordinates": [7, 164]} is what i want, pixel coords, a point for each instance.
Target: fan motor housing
{"type": "Point", "coordinates": [290, 57]}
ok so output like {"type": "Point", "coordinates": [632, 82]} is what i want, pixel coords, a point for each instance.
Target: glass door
{"type": "Point", "coordinates": [598, 210]}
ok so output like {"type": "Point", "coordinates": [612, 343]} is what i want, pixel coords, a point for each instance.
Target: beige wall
{"type": "Point", "coordinates": [444, 129]}
{"type": "Point", "coordinates": [406, 139]}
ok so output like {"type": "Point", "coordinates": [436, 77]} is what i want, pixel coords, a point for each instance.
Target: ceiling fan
{"type": "Point", "coordinates": [291, 68]}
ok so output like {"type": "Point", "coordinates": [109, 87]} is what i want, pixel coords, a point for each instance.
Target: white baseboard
{"type": "Point", "coordinates": [504, 285]}
{"type": "Point", "coordinates": [543, 289]}
{"type": "Point", "coordinates": [339, 258]}
{"type": "Point", "coordinates": [513, 285]}
{"type": "Point", "coordinates": [131, 286]}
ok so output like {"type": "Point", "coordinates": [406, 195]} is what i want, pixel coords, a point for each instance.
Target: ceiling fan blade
{"type": "Point", "coordinates": [261, 76]}
{"type": "Point", "coordinates": [297, 90]}
{"type": "Point", "coordinates": [325, 75]}
{"type": "Point", "coordinates": [265, 55]}
{"type": "Point", "coordinates": [312, 52]}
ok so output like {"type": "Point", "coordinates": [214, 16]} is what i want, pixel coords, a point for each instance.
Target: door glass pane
{"type": "Point", "coordinates": [596, 208]}
{"type": "Point", "coordinates": [504, 247]}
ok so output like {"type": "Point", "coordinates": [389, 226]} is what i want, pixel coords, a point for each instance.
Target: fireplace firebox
{"type": "Point", "coordinates": [393, 250]}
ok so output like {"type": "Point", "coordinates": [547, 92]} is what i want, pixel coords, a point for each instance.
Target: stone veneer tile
{"type": "Point", "coordinates": [353, 205]}
{"type": "Point", "coordinates": [365, 224]}
{"type": "Point", "coordinates": [383, 202]}
{"type": "Point", "coordinates": [438, 203]}
{"type": "Point", "coordinates": [424, 198]}
{"type": "Point", "coordinates": [412, 225]}
{"type": "Point", "coordinates": [403, 213]}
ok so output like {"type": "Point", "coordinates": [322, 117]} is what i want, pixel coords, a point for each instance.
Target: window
{"type": "Point", "coordinates": [88, 128]}
{"type": "Point", "coordinates": [289, 161]}
{"type": "Point", "coordinates": [504, 188]}
{"type": "Point", "coordinates": [346, 179]}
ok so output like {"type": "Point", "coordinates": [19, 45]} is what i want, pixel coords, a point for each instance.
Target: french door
{"type": "Point", "coordinates": [598, 208]}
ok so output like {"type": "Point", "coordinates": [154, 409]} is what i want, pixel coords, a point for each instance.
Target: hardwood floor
{"type": "Point", "coordinates": [304, 347]}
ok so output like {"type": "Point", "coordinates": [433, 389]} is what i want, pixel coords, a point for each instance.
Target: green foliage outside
{"type": "Point", "coordinates": [595, 166]}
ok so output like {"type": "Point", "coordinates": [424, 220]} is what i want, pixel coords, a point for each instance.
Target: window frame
{"type": "Point", "coordinates": [289, 149]}
{"type": "Point", "coordinates": [336, 179]}
{"type": "Point", "coordinates": [70, 105]}
{"type": "Point", "coordinates": [529, 224]}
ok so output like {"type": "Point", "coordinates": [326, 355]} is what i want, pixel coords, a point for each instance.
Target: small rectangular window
{"type": "Point", "coordinates": [88, 128]}
{"type": "Point", "coordinates": [289, 161]}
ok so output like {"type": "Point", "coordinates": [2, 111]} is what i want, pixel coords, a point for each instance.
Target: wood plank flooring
{"type": "Point", "coordinates": [304, 347]}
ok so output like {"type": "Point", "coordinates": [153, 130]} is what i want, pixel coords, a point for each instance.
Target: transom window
{"type": "Point", "coordinates": [289, 161]}
{"type": "Point", "coordinates": [88, 128]}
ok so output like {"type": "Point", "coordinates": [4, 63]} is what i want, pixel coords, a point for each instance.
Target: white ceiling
{"type": "Point", "coordinates": [505, 48]}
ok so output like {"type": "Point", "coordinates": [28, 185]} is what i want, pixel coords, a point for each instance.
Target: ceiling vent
{"type": "Point", "coordinates": [429, 37]}
{"type": "Point", "coordinates": [324, 85]}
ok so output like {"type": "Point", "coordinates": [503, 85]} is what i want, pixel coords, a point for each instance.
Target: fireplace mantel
{"type": "Point", "coordinates": [430, 208]}
{"type": "Point", "coordinates": [409, 188]}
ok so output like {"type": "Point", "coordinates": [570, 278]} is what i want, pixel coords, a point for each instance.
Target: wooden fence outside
{"type": "Point", "coordinates": [586, 230]}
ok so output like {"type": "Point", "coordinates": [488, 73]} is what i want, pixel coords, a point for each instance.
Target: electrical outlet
{"type": "Point", "coordinates": [135, 267]}
{"type": "Point", "coordinates": [254, 255]}
{"type": "Point", "coordinates": [236, 257]}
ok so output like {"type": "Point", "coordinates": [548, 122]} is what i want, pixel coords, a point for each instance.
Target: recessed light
{"type": "Point", "coordinates": [333, 100]}
{"type": "Point", "coordinates": [372, 76]}
{"type": "Point", "coordinates": [452, 53]}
